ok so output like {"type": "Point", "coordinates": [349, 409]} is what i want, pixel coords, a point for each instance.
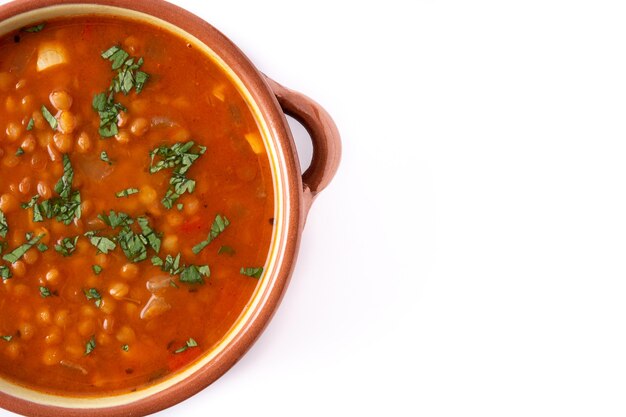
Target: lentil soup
{"type": "Point", "coordinates": [136, 205]}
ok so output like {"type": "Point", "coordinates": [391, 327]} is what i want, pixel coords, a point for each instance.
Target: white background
{"type": "Point", "coordinates": [468, 259]}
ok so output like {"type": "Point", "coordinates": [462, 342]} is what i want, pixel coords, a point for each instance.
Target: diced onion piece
{"type": "Point", "coordinates": [73, 366]}
{"type": "Point", "coordinates": [255, 142]}
{"type": "Point", "coordinates": [51, 54]}
{"type": "Point", "coordinates": [154, 307]}
{"type": "Point", "coordinates": [156, 285]}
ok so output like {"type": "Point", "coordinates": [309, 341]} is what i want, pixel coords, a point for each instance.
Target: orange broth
{"type": "Point", "coordinates": [88, 304]}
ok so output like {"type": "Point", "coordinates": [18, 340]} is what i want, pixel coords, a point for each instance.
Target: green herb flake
{"type": "Point", "coordinates": [44, 292]}
{"type": "Point", "coordinates": [42, 247]}
{"type": "Point", "coordinates": [97, 269]}
{"type": "Point", "coordinates": [219, 225]}
{"type": "Point", "coordinates": [19, 151]}
{"type": "Point", "coordinates": [5, 272]}
{"type": "Point", "coordinates": [180, 157]}
{"type": "Point", "coordinates": [154, 239]}
{"type": "Point", "coordinates": [4, 226]}
{"type": "Point", "coordinates": [127, 192]}
{"type": "Point", "coordinates": [102, 243]}
{"type": "Point", "coordinates": [67, 246]}
{"type": "Point", "coordinates": [31, 124]}
{"type": "Point", "coordinates": [34, 29]}
{"type": "Point", "coordinates": [6, 338]}
{"type": "Point", "coordinates": [226, 250]}
{"type": "Point", "coordinates": [191, 343]}
{"type": "Point", "coordinates": [193, 274]}
{"type": "Point", "coordinates": [252, 272]}
{"type": "Point", "coordinates": [93, 294]}
{"type": "Point", "coordinates": [125, 348]}
{"type": "Point", "coordinates": [104, 157]}
{"type": "Point", "coordinates": [52, 121]}
{"type": "Point", "coordinates": [180, 206]}
{"type": "Point", "coordinates": [18, 252]}
{"type": "Point", "coordinates": [90, 345]}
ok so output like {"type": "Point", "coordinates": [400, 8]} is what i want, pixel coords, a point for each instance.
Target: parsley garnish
{"type": "Point", "coordinates": [52, 121]}
{"type": "Point", "coordinates": [97, 269]}
{"type": "Point", "coordinates": [103, 244]}
{"type": "Point", "coordinates": [189, 344]}
{"type": "Point", "coordinates": [115, 220]}
{"type": "Point", "coordinates": [190, 274]}
{"type": "Point", "coordinates": [66, 207]}
{"type": "Point", "coordinates": [128, 77]}
{"type": "Point", "coordinates": [4, 226]}
{"type": "Point", "coordinates": [34, 29]}
{"type": "Point", "coordinates": [127, 192]}
{"type": "Point", "coordinates": [5, 272]}
{"type": "Point", "coordinates": [18, 252]}
{"type": "Point", "coordinates": [6, 338]}
{"type": "Point", "coordinates": [90, 345]}
{"type": "Point", "coordinates": [42, 247]}
{"type": "Point", "coordinates": [181, 157]}
{"type": "Point", "coordinates": [125, 348]}
{"type": "Point", "coordinates": [93, 294]}
{"type": "Point", "coordinates": [67, 246]}
{"type": "Point", "coordinates": [226, 250]}
{"type": "Point", "coordinates": [219, 225]}
{"type": "Point", "coordinates": [154, 239]}
{"type": "Point", "coordinates": [31, 124]}
{"type": "Point", "coordinates": [19, 151]}
{"type": "Point", "coordinates": [252, 272]}
{"type": "Point", "coordinates": [44, 292]}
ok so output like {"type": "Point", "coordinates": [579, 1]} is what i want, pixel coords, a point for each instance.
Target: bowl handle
{"type": "Point", "coordinates": [324, 134]}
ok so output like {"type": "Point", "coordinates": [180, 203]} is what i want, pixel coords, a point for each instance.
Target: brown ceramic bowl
{"type": "Point", "coordinates": [294, 194]}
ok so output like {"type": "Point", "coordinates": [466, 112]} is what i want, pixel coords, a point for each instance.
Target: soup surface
{"type": "Point", "coordinates": [136, 205]}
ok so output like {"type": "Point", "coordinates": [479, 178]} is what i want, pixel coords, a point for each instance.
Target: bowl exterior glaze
{"type": "Point", "coordinates": [273, 102]}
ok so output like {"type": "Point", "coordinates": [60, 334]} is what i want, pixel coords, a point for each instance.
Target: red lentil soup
{"type": "Point", "coordinates": [136, 205]}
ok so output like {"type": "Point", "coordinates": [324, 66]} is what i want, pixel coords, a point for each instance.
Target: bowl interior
{"type": "Point", "coordinates": [275, 255]}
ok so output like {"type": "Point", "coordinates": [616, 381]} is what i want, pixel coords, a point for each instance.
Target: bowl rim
{"type": "Point", "coordinates": [288, 174]}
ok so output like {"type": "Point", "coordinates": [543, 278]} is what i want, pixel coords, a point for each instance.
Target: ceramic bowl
{"type": "Point", "coordinates": [294, 192]}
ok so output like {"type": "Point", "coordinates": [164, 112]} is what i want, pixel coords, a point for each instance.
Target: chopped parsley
{"type": "Point", "coordinates": [180, 157]}
{"type": "Point", "coordinates": [154, 239]}
{"type": "Point", "coordinates": [189, 344]}
{"type": "Point", "coordinates": [252, 272]}
{"type": "Point", "coordinates": [6, 338]}
{"type": "Point", "coordinates": [66, 207]}
{"type": "Point", "coordinates": [5, 272]}
{"type": "Point", "coordinates": [67, 246]}
{"type": "Point", "coordinates": [34, 29]}
{"type": "Point", "coordinates": [190, 274]}
{"type": "Point", "coordinates": [127, 192]}
{"type": "Point", "coordinates": [44, 292]}
{"type": "Point", "coordinates": [97, 269]}
{"type": "Point", "coordinates": [93, 294]}
{"type": "Point", "coordinates": [226, 250]}
{"type": "Point", "coordinates": [90, 345]}
{"type": "Point", "coordinates": [128, 76]}
{"type": "Point", "coordinates": [18, 252]}
{"type": "Point", "coordinates": [4, 226]}
{"type": "Point", "coordinates": [115, 220]}
{"type": "Point", "coordinates": [31, 124]}
{"type": "Point", "coordinates": [219, 225]}
{"type": "Point", "coordinates": [19, 151]}
{"type": "Point", "coordinates": [52, 121]}
{"type": "Point", "coordinates": [108, 110]}
{"type": "Point", "coordinates": [125, 348]}
{"type": "Point", "coordinates": [104, 157]}
{"type": "Point", "coordinates": [103, 244]}
{"type": "Point", "coordinates": [42, 247]}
